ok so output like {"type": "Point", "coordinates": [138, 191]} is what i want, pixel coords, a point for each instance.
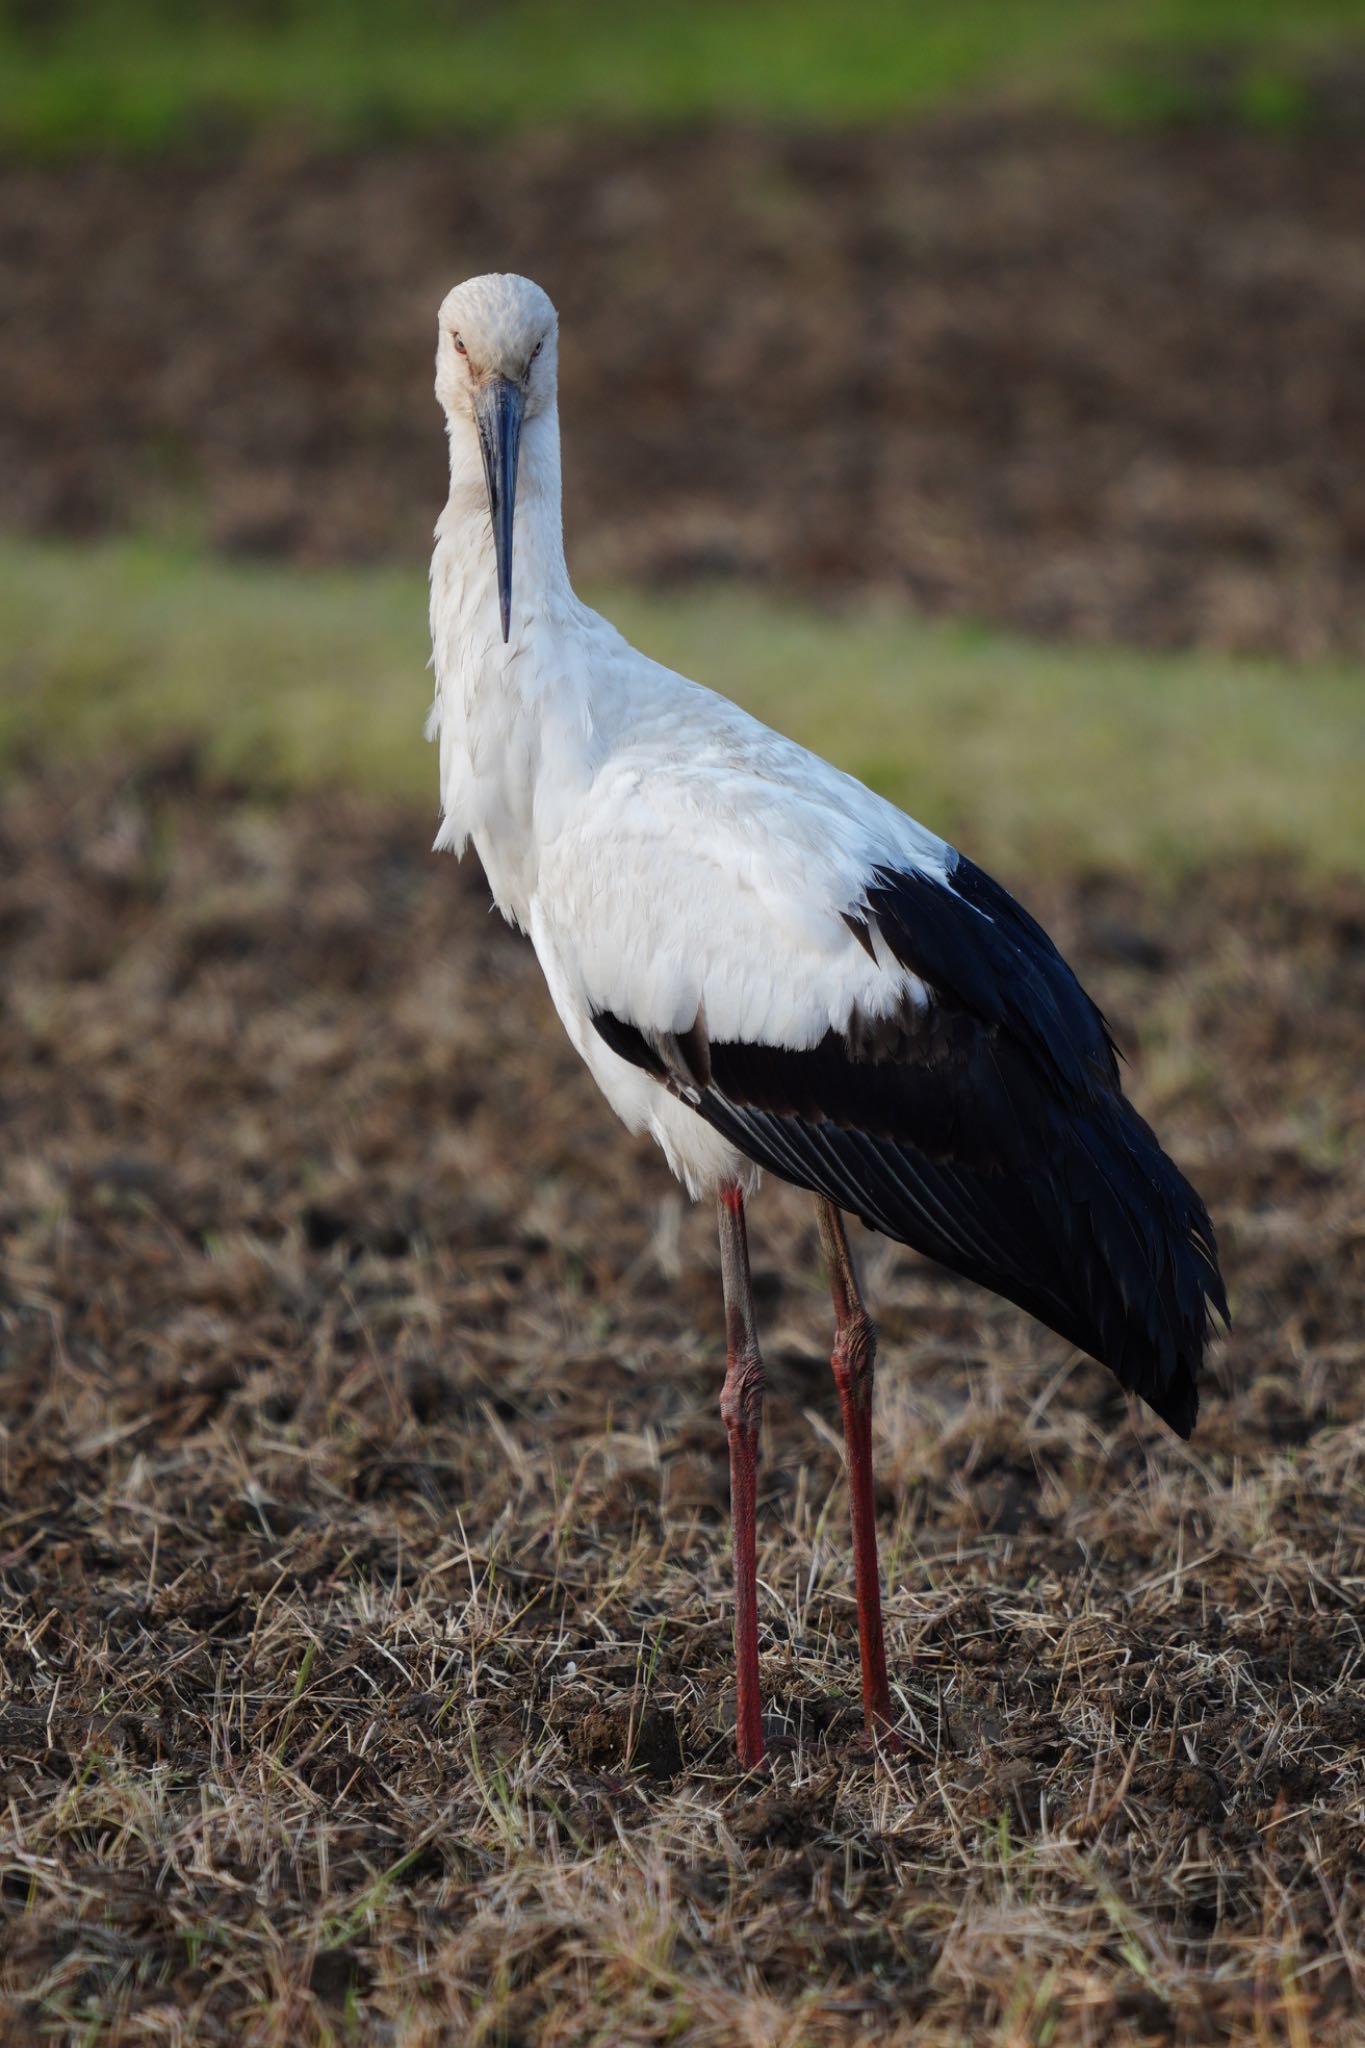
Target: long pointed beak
{"type": "Point", "coordinates": [497, 410]}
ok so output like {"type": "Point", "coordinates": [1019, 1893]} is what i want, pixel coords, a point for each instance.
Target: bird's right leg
{"type": "Point", "coordinates": [855, 1351]}
{"type": "Point", "coordinates": [741, 1407]}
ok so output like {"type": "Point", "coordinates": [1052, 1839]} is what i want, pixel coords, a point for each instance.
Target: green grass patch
{"type": "Point", "coordinates": [1017, 750]}
{"type": "Point", "coordinates": [145, 74]}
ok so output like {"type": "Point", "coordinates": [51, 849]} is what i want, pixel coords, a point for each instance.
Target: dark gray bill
{"type": "Point", "coordinates": [497, 409]}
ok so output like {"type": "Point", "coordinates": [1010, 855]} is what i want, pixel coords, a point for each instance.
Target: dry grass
{"type": "Point", "coordinates": [363, 1529]}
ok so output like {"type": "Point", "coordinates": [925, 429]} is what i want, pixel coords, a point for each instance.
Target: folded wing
{"type": "Point", "coordinates": [977, 1117]}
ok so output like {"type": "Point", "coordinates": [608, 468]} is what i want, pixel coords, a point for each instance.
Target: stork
{"type": "Point", "coordinates": [768, 967]}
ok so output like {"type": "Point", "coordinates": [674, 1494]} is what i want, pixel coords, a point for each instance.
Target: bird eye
{"type": "Point", "coordinates": [536, 350]}
{"type": "Point", "coordinates": [460, 348]}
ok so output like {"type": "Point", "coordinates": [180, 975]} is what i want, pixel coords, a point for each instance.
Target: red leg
{"type": "Point", "coordinates": [741, 1407]}
{"type": "Point", "coordinates": [855, 1351]}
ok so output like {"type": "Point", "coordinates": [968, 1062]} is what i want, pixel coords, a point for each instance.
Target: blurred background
{"type": "Point", "coordinates": [977, 390]}
{"type": "Point", "coordinates": [1037, 317]}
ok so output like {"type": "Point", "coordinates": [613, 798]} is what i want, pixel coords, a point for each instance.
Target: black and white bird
{"type": "Point", "coordinates": [767, 966]}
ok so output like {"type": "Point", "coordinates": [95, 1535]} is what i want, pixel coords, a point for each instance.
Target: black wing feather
{"type": "Point", "coordinates": [988, 1131]}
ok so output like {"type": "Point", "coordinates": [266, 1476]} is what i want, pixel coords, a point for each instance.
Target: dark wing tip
{"type": "Point", "coordinates": [1180, 1406]}
{"type": "Point", "coordinates": [989, 1133]}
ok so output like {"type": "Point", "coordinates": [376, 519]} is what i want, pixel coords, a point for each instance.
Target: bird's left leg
{"type": "Point", "coordinates": [741, 1407]}
{"type": "Point", "coordinates": [855, 1351]}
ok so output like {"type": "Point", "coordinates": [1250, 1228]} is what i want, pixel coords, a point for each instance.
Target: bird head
{"type": "Point", "coordinates": [495, 369]}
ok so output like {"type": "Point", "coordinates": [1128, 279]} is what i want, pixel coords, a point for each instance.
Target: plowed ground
{"type": "Point", "coordinates": [1092, 384]}
{"type": "Point", "coordinates": [363, 1552]}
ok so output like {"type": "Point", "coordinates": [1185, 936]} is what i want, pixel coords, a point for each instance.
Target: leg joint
{"type": "Point", "coordinates": [741, 1397]}
{"type": "Point", "coordinates": [855, 1355]}
{"type": "Point", "coordinates": [855, 1343]}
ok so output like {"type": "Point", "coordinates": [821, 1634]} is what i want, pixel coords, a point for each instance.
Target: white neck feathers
{"type": "Point", "coordinates": [513, 717]}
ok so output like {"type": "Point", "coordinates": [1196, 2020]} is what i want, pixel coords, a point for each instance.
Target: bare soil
{"type": "Point", "coordinates": [1095, 384]}
{"type": "Point", "coordinates": [363, 1533]}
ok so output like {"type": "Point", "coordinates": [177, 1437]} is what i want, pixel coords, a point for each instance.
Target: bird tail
{"type": "Point", "coordinates": [1065, 1205]}
{"type": "Point", "coordinates": [1135, 1262]}
{"type": "Point", "coordinates": [1089, 1227]}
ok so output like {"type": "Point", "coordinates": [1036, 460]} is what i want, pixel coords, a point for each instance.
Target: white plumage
{"type": "Point", "coordinates": [666, 853]}
{"type": "Point", "coordinates": [766, 965]}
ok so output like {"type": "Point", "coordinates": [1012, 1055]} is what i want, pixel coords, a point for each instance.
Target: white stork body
{"type": "Point", "coordinates": [766, 965]}
{"type": "Point", "coordinates": [668, 855]}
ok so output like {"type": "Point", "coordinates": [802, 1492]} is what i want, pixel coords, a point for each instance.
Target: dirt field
{"type": "Point", "coordinates": [363, 1547]}
{"type": "Point", "coordinates": [1089, 383]}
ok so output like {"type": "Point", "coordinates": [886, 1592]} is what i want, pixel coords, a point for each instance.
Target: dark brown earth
{"type": "Point", "coordinates": [1096, 384]}
{"type": "Point", "coordinates": [363, 1576]}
